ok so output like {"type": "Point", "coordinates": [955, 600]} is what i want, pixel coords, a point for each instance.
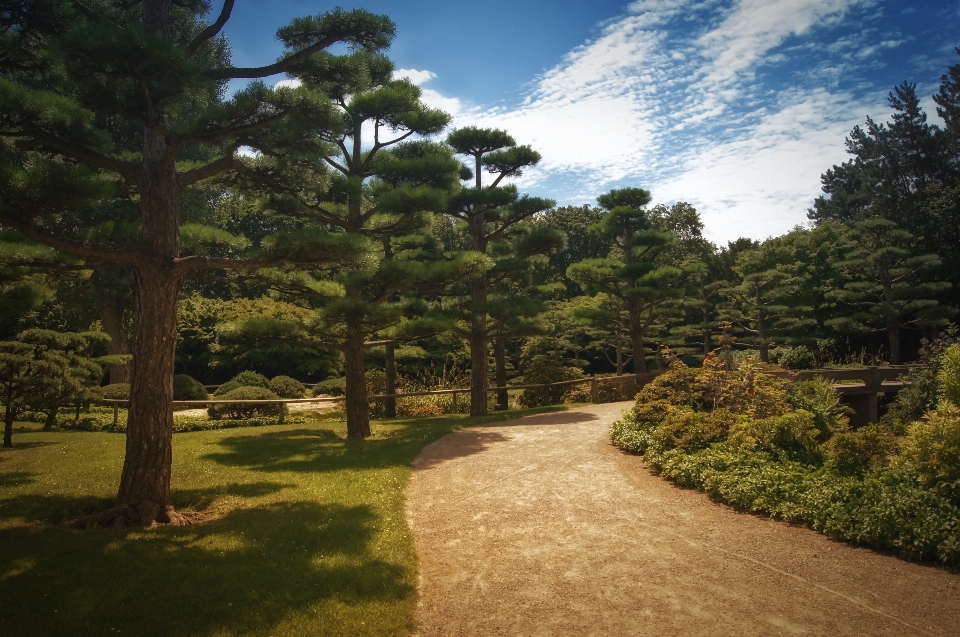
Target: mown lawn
{"type": "Point", "coordinates": [305, 534]}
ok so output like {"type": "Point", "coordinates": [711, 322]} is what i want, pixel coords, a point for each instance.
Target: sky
{"type": "Point", "coordinates": [735, 106]}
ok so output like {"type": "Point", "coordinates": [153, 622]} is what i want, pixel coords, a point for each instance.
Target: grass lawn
{"type": "Point", "coordinates": [306, 534]}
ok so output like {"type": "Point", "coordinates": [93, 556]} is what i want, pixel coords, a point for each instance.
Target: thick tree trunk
{"type": "Point", "coordinates": [636, 338]}
{"type": "Point", "coordinates": [145, 481]}
{"type": "Point", "coordinates": [51, 420]}
{"type": "Point", "coordinates": [478, 350]}
{"type": "Point", "coordinates": [500, 358]}
{"type": "Point", "coordinates": [619, 356]}
{"type": "Point", "coordinates": [390, 371]}
{"type": "Point", "coordinates": [111, 315]}
{"type": "Point", "coordinates": [358, 409]}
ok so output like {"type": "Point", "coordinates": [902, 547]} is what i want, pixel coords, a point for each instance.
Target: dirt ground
{"type": "Point", "coordinates": [540, 526]}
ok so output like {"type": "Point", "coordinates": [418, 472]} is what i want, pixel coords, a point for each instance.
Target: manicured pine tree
{"type": "Point", "coordinates": [354, 172]}
{"type": "Point", "coordinates": [634, 278]}
{"type": "Point", "coordinates": [491, 212]}
{"type": "Point", "coordinates": [889, 288]}
{"type": "Point", "coordinates": [160, 73]}
{"type": "Point", "coordinates": [607, 324]}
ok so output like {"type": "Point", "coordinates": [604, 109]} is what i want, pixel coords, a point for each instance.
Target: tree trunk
{"type": "Point", "coordinates": [145, 480]}
{"type": "Point", "coordinates": [636, 337]}
{"type": "Point", "coordinates": [358, 409]}
{"type": "Point", "coordinates": [619, 356]}
{"type": "Point", "coordinates": [8, 416]}
{"type": "Point", "coordinates": [390, 371]}
{"type": "Point", "coordinates": [762, 337]}
{"type": "Point", "coordinates": [478, 350]}
{"type": "Point", "coordinates": [51, 420]}
{"type": "Point", "coordinates": [893, 335]}
{"type": "Point", "coordinates": [500, 357]}
{"type": "Point", "coordinates": [111, 315]}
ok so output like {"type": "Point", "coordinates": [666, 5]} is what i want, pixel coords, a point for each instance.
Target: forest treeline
{"type": "Point", "coordinates": [339, 227]}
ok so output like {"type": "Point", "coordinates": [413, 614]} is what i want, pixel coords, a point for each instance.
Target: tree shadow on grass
{"type": "Point", "coordinates": [246, 572]}
{"type": "Point", "coordinates": [16, 478]}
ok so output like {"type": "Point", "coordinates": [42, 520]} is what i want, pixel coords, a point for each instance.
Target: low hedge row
{"type": "Point", "coordinates": [181, 424]}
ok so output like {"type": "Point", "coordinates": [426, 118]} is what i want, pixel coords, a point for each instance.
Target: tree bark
{"type": "Point", "coordinates": [893, 335]}
{"type": "Point", "coordinates": [358, 409]}
{"type": "Point", "coordinates": [390, 372]}
{"type": "Point", "coordinates": [500, 358]}
{"type": "Point", "coordinates": [8, 416]}
{"type": "Point", "coordinates": [51, 418]}
{"type": "Point", "coordinates": [111, 315]}
{"type": "Point", "coordinates": [478, 350]}
{"type": "Point", "coordinates": [619, 356]}
{"type": "Point", "coordinates": [636, 338]}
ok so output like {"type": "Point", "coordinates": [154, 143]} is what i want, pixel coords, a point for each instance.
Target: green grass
{"type": "Point", "coordinates": [305, 534]}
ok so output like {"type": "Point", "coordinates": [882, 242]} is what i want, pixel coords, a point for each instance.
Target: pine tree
{"type": "Point", "coordinates": [491, 212]}
{"type": "Point", "coordinates": [106, 102]}
{"type": "Point", "coordinates": [635, 278]}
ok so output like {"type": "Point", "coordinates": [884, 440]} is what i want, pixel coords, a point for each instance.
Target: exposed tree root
{"type": "Point", "coordinates": [148, 514]}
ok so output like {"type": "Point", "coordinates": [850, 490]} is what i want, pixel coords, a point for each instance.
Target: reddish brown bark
{"type": "Point", "coordinates": [357, 407]}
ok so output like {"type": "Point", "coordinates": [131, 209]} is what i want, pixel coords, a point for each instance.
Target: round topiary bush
{"type": "Point", "coordinates": [186, 387]}
{"type": "Point", "coordinates": [331, 387]}
{"type": "Point", "coordinates": [219, 411]}
{"type": "Point", "coordinates": [252, 379]}
{"type": "Point", "coordinates": [228, 386]}
{"type": "Point", "coordinates": [117, 391]}
{"type": "Point", "coordinates": [286, 387]}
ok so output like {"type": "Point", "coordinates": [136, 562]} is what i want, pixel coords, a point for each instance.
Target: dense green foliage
{"type": "Point", "coordinates": [186, 387]}
{"type": "Point", "coordinates": [756, 442]}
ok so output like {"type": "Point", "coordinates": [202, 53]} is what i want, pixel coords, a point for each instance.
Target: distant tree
{"type": "Point", "coordinates": [888, 288]}
{"type": "Point", "coordinates": [607, 326]}
{"type": "Point", "coordinates": [580, 244]}
{"type": "Point", "coordinates": [635, 278]}
{"type": "Point", "coordinates": [491, 212]}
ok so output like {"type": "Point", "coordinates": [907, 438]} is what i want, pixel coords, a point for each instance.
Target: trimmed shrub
{"type": "Point", "coordinates": [187, 388]}
{"type": "Point", "coordinates": [331, 387]}
{"type": "Point", "coordinates": [793, 357]}
{"type": "Point", "coordinates": [856, 452]}
{"type": "Point", "coordinates": [117, 391]}
{"type": "Point", "coordinates": [246, 411]}
{"type": "Point", "coordinates": [226, 388]}
{"type": "Point", "coordinates": [287, 387]}
{"type": "Point", "coordinates": [252, 379]}
{"type": "Point", "coordinates": [690, 431]}
{"type": "Point", "coordinates": [933, 446]}
{"type": "Point", "coordinates": [794, 434]}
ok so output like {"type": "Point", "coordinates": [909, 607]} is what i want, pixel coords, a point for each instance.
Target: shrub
{"type": "Point", "coordinates": [794, 434]}
{"type": "Point", "coordinates": [948, 378]}
{"type": "Point", "coordinates": [690, 431]}
{"type": "Point", "coordinates": [922, 394]}
{"type": "Point", "coordinates": [419, 407]}
{"type": "Point", "coordinates": [117, 391]}
{"type": "Point", "coordinates": [226, 388]}
{"type": "Point", "coordinates": [793, 357]}
{"type": "Point", "coordinates": [252, 379]}
{"type": "Point", "coordinates": [187, 388]}
{"type": "Point", "coordinates": [933, 445]}
{"type": "Point", "coordinates": [246, 411]}
{"type": "Point", "coordinates": [286, 387]}
{"type": "Point", "coordinates": [376, 381]}
{"type": "Point", "coordinates": [855, 452]}
{"type": "Point", "coordinates": [331, 387]}
{"type": "Point", "coordinates": [818, 396]}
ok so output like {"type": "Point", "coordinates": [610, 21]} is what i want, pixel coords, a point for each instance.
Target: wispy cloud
{"type": "Point", "coordinates": [678, 96]}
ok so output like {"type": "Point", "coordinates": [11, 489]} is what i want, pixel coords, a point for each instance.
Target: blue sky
{"type": "Point", "coordinates": [736, 106]}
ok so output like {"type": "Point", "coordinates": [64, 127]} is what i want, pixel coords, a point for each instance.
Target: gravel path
{"type": "Point", "coordinates": [540, 526]}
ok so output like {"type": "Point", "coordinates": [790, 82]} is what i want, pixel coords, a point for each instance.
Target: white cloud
{"type": "Point", "coordinates": [415, 76]}
{"type": "Point", "coordinates": [655, 102]}
{"type": "Point", "coordinates": [294, 83]}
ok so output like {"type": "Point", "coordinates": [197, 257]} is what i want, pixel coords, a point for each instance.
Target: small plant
{"type": "Point", "coordinates": [117, 391]}
{"type": "Point", "coordinates": [948, 377]}
{"type": "Point", "coordinates": [246, 411]}
{"type": "Point", "coordinates": [793, 357]}
{"type": "Point", "coordinates": [287, 387]}
{"type": "Point", "coordinates": [226, 388]}
{"type": "Point", "coordinates": [856, 452]}
{"type": "Point", "coordinates": [187, 388]}
{"type": "Point", "coordinates": [933, 445]}
{"type": "Point", "coordinates": [252, 379]}
{"type": "Point", "coordinates": [818, 396]}
{"type": "Point", "coordinates": [331, 387]}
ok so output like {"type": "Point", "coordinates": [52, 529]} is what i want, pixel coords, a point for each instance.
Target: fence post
{"type": "Point", "coordinates": [116, 413]}
{"type": "Point", "coordinates": [455, 403]}
{"type": "Point", "coordinates": [595, 390]}
{"type": "Point", "coordinates": [282, 409]}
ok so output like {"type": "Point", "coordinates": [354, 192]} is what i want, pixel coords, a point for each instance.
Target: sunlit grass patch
{"type": "Point", "coordinates": [304, 533]}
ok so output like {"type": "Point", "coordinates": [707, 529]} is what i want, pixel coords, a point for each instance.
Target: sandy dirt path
{"type": "Point", "coordinates": [540, 526]}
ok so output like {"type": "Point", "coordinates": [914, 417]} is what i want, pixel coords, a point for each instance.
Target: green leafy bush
{"type": "Point", "coordinates": [287, 387]}
{"type": "Point", "coordinates": [226, 388]}
{"type": "Point", "coordinates": [117, 391]}
{"type": "Point", "coordinates": [331, 387]}
{"type": "Point", "coordinates": [252, 379]}
{"type": "Point", "coordinates": [794, 434]}
{"type": "Point", "coordinates": [690, 430]}
{"type": "Point", "coordinates": [181, 424]}
{"type": "Point", "coordinates": [793, 357]}
{"type": "Point", "coordinates": [933, 445]}
{"type": "Point", "coordinates": [246, 410]}
{"type": "Point", "coordinates": [818, 396]}
{"type": "Point", "coordinates": [856, 452]}
{"type": "Point", "coordinates": [948, 377]}
{"type": "Point", "coordinates": [187, 388]}
{"type": "Point", "coordinates": [922, 393]}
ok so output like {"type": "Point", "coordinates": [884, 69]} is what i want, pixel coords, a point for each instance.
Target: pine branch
{"type": "Point", "coordinates": [272, 69]}
{"type": "Point", "coordinates": [212, 30]}
{"type": "Point", "coordinates": [212, 169]}
{"type": "Point", "coordinates": [113, 253]}
{"type": "Point", "coordinates": [128, 170]}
